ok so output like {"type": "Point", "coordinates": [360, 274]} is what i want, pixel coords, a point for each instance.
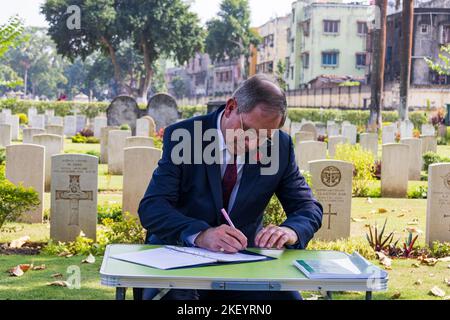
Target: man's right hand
{"type": "Point", "coordinates": [222, 239]}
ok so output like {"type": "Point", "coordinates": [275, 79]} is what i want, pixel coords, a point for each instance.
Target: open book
{"type": "Point", "coordinates": [172, 257]}
{"type": "Point", "coordinates": [352, 267]}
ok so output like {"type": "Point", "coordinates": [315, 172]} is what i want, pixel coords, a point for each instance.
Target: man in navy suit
{"type": "Point", "coordinates": [235, 158]}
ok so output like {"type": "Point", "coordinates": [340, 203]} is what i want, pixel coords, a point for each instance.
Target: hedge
{"type": "Point", "coordinates": [357, 117]}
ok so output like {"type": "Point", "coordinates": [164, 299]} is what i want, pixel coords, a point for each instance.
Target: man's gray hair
{"type": "Point", "coordinates": [260, 89]}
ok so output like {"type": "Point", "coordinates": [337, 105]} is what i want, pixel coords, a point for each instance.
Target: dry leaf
{"type": "Point", "coordinates": [25, 267]}
{"type": "Point", "coordinates": [57, 275]}
{"type": "Point", "coordinates": [396, 295]}
{"type": "Point", "coordinates": [416, 265]}
{"type": "Point", "coordinates": [58, 284]}
{"type": "Point", "coordinates": [357, 220]}
{"type": "Point", "coordinates": [90, 259]}
{"type": "Point", "coordinates": [401, 215]}
{"type": "Point", "coordinates": [66, 254]}
{"type": "Point", "coordinates": [382, 210]}
{"type": "Point", "coordinates": [18, 243]}
{"type": "Point", "coordinates": [16, 271]}
{"type": "Point", "coordinates": [384, 260]}
{"type": "Point", "coordinates": [39, 268]}
{"type": "Point", "coordinates": [430, 261]}
{"type": "Point", "coordinates": [418, 282]}
{"type": "Point", "coordinates": [438, 292]}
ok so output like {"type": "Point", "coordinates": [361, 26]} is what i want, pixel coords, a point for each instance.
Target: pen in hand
{"type": "Point", "coordinates": [227, 217]}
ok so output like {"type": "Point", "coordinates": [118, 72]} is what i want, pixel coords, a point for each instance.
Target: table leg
{"type": "Point", "coordinates": [138, 294]}
{"type": "Point", "coordinates": [368, 295]}
{"type": "Point", "coordinates": [329, 295]}
{"type": "Point", "coordinates": [120, 293]}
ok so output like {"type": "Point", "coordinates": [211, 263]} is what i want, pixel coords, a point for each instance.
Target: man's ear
{"type": "Point", "coordinates": [230, 106]}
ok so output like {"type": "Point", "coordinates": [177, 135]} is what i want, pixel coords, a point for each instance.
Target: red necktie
{"type": "Point", "coordinates": [228, 181]}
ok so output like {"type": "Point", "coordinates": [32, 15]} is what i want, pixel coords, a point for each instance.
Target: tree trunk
{"type": "Point", "coordinates": [405, 56]}
{"type": "Point", "coordinates": [146, 79]}
{"type": "Point", "coordinates": [378, 61]}
{"type": "Point", "coordinates": [121, 89]}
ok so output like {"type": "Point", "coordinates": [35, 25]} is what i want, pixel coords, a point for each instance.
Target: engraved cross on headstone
{"type": "Point", "coordinates": [75, 195]}
{"type": "Point", "coordinates": [329, 213]}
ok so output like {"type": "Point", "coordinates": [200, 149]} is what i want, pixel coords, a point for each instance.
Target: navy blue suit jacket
{"type": "Point", "coordinates": [182, 200]}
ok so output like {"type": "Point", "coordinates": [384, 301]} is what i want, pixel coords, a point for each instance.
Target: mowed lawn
{"type": "Point", "coordinates": [400, 213]}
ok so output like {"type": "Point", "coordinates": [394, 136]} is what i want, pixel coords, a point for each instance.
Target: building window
{"type": "Point", "coordinates": [444, 37]}
{"type": "Point", "coordinates": [306, 27]}
{"type": "Point", "coordinates": [360, 59]}
{"type": "Point", "coordinates": [330, 59]}
{"type": "Point", "coordinates": [331, 26]}
{"type": "Point", "coordinates": [270, 67]}
{"type": "Point", "coordinates": [424, 28]}
{"type": "Point", "coordinates": [305, 60]}
{"type": "Point", "coordinates": [362, 28]}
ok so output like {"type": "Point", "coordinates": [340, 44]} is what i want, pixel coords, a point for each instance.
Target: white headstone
{"type": "Point", "coordinates": [99, 123]}
{"type": "Point", "coordinates": [349, 131]}
{"type": "Point", "coordinates": [301, 136]}
{"type": "Point", "coordinates": [73, 197]}
{"type": "Point", "coordinates": [415, 157]}
{"type": "Point", "coordinates": [394, 170]}
{"type": "Point", "coordinates": [333, 142]}
{"type": "Point", "coordinates": [406, 129]}
{"type": "Point", "coordinates": [369, 142]}
{"type": "Point", "coordinates": [142, 128]}
{"type": "Point", "coordinates": [37, 121]}
{"type": "Point", "coordinates": [14, 121]}
{"type": "Point", "coordinates": [308, 151]}
{"type": "Point", "coordinates": [53, 146]}
{"type": "Point", "coordinates": [295, 127]}
{"type": "Point", "coordinates": [115, 150]}
{"type": "Point", "coordinates": [310, 127]}
{"type": "Point", "coordinates": [139, 164]}
{"type": "Point", "coordinates": [428, 130]}
{"type": "Point", "coordinates": [5, 135]}
{"type": "Point", "coordinates": [25, 165]}
{"type": "Point", "coordinates": [70, 125]}
{"type": "Point", "coordinates": [429, 143]}
{"type": "Point", "coordinates": [438, 203]}
{"type": "Point", "coordinates": [80, 122]}
{"type": "Point", "coordinates": [139, 142]}
{"type": "Point", "coordinates": [332, 187]}
{"type": "Point", "coordinates": [32, 112]}
{"type": "Point", "coordinates": [54, 129]}
{"type": "Point", "coordinates": [56, 121]}
{"type": "Point", "coordinates": [388, 134]}
{"type": "Point", "coordinates": [104, 143]}
{"type": "Point", "coordinates": [333, 129]}
{"type": "Point", "coordinates": [28, 133]}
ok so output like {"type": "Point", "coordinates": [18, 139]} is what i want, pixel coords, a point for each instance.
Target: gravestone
{"type": "Point", "coordinates": [28, 133]}
{"type": "Point", "coordinates": [19, 169]}
{"type": "Point", "coordinates": [388, 134]}
{"type": "Point", "coordinates": [139, 164]}
{"type": "Point", "coordinates": [333, 142]}
{"type": "Point", "coordinates": [73, 197]}
{"type": "Point", "coordinates": [151, 124]}
{"type": "Point", "coordinates": [6, 112]}
{"type": "Point", "coordinates": [406, 129]}
{"type": "Point", "coordinates": [332, 187]}
{"type": "Point", "coordinates": [56, 121]}
{"type": "Point", "coordinates": [428, 130]}
{"type": "Point", "coordinates": [429, 143]}
{"type": "Point", "coordinates": [14, 122]}
{"type": "Point", "coordinates": [321, 129]}
{"type": "Point", "coordinates": [104, 133]}
{"type": "Point", "coordinates": [415, 157]}
{"type": "Point", "coordinates": [308, 151]}
{"type": "Point", "coordinates": [295, 127]}
{"type": "Point", "coordinates": [37, 121]}
{"type": "Point", "coordinates": [142, 128]}
{"type": "Point", "coordinates": [53, 145]}
{"type": "Point", "coordinates": [287, 126]}
{"type": "Point", "coordinates": [163, 109]}
{"type": "Point", "coordinates": [5, 135]}
{"type": "Point", "coordinates": [369, 142]}
{"type": "Point", "coordinates": [333, 129]}
{"type": "Point", "coordinates": [349, 131]}
{"type": "Point", "coordinates": [70, 126]}
{"type": "Point", "coordinates": [54, 129]}
{"type": "Point", "coordinates": [99, 123]}
{"type": "Point", "coordinates": [115, 150]}
{"type": "Point", "coordinates": [309, 127]}
{"type": "Point", "coordinates": [438, 203]}
{"type": "Point", "coordinates": [123, 110]}
{"type": "Point", "coordinates": [139, 142]}
{"type": "Point", "coordinates": [80, 122]}
{"type": "Point", "coordinates": [394, 170]}
{"type": "Point", "coordinates": [32, 112]}
{"type": "Point", "coordinates": [304, 136]}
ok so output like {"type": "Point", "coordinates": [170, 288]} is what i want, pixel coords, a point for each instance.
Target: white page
{"type": "Point", "coordinates": [218, 256]}
{"type": "Point", "coordinates": [163, 258]}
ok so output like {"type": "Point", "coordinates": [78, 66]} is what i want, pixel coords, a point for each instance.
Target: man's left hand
{"type": "Point", "coordinates": [275, 237]}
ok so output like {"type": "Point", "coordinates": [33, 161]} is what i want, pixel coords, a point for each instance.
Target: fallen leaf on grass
{"type": "Point", "coordinates": [16, 272]}
{"type": "Point", "coordinates": [382, 210]}
{"type": "Point", "coordinates": [66, 254]}
{"type": "Point", "coordinates": [437, 292]}
{"type": "Point", "coordinates": [57, 275]}
{"type": "Point", "coordinates": [18, 243]}
{"type": "Point", "coordinates": [357, 220]}
{"type": "Point", "coordinates": [418, 282]}
{"type": "Point", "coordinates": [401, 215]}
{"type": "Point", "coordinates": [396, 295]}
{"type": "Point", "coordinates": [59, 284]}
{"type": "Point", "coordinates": [416, 265]}
{"type": "Point", "coordinates": [384, 260]}
{"type": "Point", "coordinates": [430, 261]}
{"type": "Point", "coordinates": [39, 268]}
{"type": "Point", "coordinates": [90, 259]}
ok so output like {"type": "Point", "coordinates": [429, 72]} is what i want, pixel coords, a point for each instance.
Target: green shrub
{"type": "Point", "coordinates": [448, 133]}
{"type": "Point", "coordinates": [78, 138]}
{"type": "Point", "coordinates": [190, 111]}
{"type": "Point", "coordinates": [418, 118]}
{"type": "Point", "coordinates": [344, 245]}
{"type": "Point", "coordinates": [440, 249]}
{"type": "Point", "coordinates": [23, 118]}
{"type": "Point", "coordinates": [420, 192]}
{"type": "Point", "coordinates": [430, 158]}
{"type": "Point", "coordinates": [15, 200]}
{"type": "Point", "coordinates": [94, 153]}
{"type": "Point", "coordinates": [274, 213]}
{"type": "Point", "coordinates": [92, 140]}
{"type": "Point", "coordinates": [113, 212]}
{"type": "Point", "coordinates": [125, 127]}
{"type": "Point", "coordinates": [2, 156]}
{"type": "Point", "coordinates": [363, 163]}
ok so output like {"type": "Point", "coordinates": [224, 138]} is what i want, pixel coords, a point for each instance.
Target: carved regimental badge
{"type": "Point", "coordinates": [331, 176]}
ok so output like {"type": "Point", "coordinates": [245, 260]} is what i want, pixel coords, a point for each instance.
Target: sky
{"type": "Point", "coordinates": [261, 10]}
